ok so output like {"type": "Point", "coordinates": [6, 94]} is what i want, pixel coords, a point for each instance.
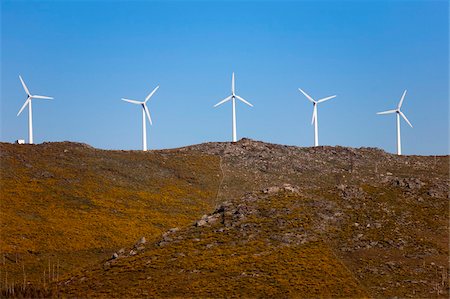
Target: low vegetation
{"type": "Point", "coordinates": [263, 245]}
{"type": "Point", "coordinates": [277, 221]}
{"type": "Point", "coordinates": [66, 205]}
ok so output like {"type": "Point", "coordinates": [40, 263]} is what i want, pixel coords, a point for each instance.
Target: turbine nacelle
{"type": "Point", "coordinates": [398, 111]}
{"type": "Point", "coordinates": [30, 96]}
{"type": "Point", "coordinates": [314, 102]}
{"type": "Point", "coordinates": [233, 96]}
{"type": "Point", "coordinates": [144, 103]}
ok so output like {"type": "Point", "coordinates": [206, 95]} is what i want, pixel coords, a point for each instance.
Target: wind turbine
{"type": "Point", "coordinates": [314, 116]}
{"type": "Point", "coordinates": [30, 112]}
{"type": "Point", "coordinates": [399, 113]}
{"type": "Point", "coordinates": [233, 97]}
{"type": "Point", "coordinates": [145, 111]}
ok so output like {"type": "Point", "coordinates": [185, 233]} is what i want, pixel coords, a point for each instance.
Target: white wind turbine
{"type": "Point", "coordinates": [233, 97]}
{"type": "Point", "coordinates": [144, 112]}
{"type": "Point", "coordinates": [30, 111]}
{"type": "Point", "coordinates": [314, 116]}
{"type": "Point", "coordinates": [398, 112]}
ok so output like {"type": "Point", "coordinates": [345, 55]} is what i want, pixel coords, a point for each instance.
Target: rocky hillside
{"type": "Point", "coordinates": [278, 221]}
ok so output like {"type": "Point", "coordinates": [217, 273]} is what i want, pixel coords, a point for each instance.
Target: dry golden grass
{"type": "Point", "coordinates": [71, 205]}
{"type": "Point", "coordinates": [220, 261]}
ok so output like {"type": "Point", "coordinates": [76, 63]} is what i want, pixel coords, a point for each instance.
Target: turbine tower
{"type": "Point", "coordinates": [233, 98]}
{"type": "Point", "coordinates": [30, 111]}
{"type": "Point", "coordinates": [145, 112]}
{"type": "Point", "coordinates": [314, 116]}
{"type": "Point", "coordinates": [399, 113]}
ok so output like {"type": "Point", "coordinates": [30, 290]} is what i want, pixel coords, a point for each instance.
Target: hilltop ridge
{"type": "Point", "coordinates": [277, 220]}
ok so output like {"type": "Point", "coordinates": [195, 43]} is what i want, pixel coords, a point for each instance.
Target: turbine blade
{"type": "Point", "coordinates": [387, 112]}
{"type": "Point", "coordinates": [401, 100]}
{"type": "Point", "coordinates": [42, 97]}
{"type": "Point", "coordinates": [132, 101]}
{"type": "Point", "coordinates": [232, 83]}
{"type": "Point", "coordinates": [23, 107]}
{"type": "Point", "coordinates": [314, 114]}
{"type": "Point", "coordinates": [241, 99]}
{"type": "Point", "coordinates": [148, 113]}
{"type": "Point", "coordinates": [24, 86]}
{"type": "Point", "coordinates": [223, 101]}
{"type": "Point", "coordinates": [307, 95]}
{"type": "Point", "coordinates": [404, 116]}
{"type": "Point", "coordinates": [326, 99]}
{"type": "Point", "coordinates": [150, 94]}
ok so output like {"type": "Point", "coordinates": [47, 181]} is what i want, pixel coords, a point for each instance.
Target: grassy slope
{"type": "Point", "coordinates": [363, 235]}
{"type": "Point", "coordinates": [410, 228]}
{"type": "Point", "coordinates": [71, 205]}
{"type": "Point", "coordinates": [235, 256]}
{"type": "Point", "coordinates": [380, 240]}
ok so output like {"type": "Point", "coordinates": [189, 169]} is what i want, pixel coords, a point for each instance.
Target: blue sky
{"type": "Point", "coordinates": [89, 54]}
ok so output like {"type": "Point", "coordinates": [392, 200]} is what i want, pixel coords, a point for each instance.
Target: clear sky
{"type": "Point", "coordinates": [89, 54]}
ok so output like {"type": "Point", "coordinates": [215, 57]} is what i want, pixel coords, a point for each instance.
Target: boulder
{"type": "Point", "coordinates": [141, 241]}
{"type": "Point", "coordinates": [272, 190]}
{"type": "Point", "coordinates": [200, 222]}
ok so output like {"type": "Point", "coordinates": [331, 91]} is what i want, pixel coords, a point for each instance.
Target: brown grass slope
{"type": "Point", "coordinates": [262, 245]}
{"type": "Point", "coordinates": [290, 222]}
{"type": "Point", "coordinates": [66, 205]}
{"type": "Point", "coordinates": [358, 222]}
{"type": "Point", "coordinates": [386, 216]}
